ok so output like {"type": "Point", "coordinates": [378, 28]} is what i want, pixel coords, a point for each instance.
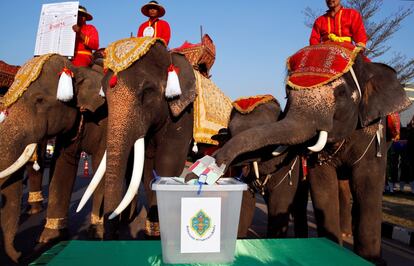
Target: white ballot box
{"type": "Point", "coordinates": [198, 225]}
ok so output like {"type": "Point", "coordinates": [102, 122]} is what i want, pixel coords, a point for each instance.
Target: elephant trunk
{"type": "Point", "coordinates": [307, 112]}
{"type": "Point", "coordinates": [289, 131]}
{"type": "Point", "coordinates": [123, 131]}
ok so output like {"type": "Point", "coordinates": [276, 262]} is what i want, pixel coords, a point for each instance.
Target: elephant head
{"type": "Point", "coordinates": [31, 113]}
{"type": "Point", "coordinates": [138, 109]}
{"type": "Point", "coordinates": [357, 98]}
{"type": "Point", "coordinates": [35, 112]}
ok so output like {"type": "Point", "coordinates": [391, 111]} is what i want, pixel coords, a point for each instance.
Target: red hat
{"type": "Point", "coordinates": [153, 4]}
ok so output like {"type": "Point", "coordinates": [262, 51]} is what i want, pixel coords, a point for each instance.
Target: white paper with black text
{"type": "Point", "coordinates": [54, 33]}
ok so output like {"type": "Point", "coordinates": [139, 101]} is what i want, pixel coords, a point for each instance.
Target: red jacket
{"type": "Point", "coordinates": [83, 48]}
{"type": "Point", "coordinates": [347, 24]}
{"type": "Point", "coordinates": [161, 29]}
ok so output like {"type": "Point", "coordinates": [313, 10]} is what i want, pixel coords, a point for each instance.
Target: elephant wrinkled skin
{"type": "Point", "coordinates": [351, 122]}
{"type": "Point", "coordinates": [38, 115]}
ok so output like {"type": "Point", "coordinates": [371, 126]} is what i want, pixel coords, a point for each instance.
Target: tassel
{"type": "Point", "coordinates": [36, 166]}
{"type": "Point", "coordinates": [113, 81]}
{"type": "Point", "coordinates": [65, 87]}
{"type": "Point", "coordinates": [195, 148]}
{"type": "Point", "coordinates": [102, 93]}
{"type": "Point", "coordinates": [173, 84]}
{"type": "Point", "coordinates": [3, 116]}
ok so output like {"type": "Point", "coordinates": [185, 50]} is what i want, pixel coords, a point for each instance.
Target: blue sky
{"type": "Point", "coordinates": [252, 38]}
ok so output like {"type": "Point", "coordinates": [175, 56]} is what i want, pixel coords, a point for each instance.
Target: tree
{"type": "Point", "coordinates": [379, 33]}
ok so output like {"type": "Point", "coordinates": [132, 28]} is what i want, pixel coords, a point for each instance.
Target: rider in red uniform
{"type": "Point", "coordinates": [339, 24]}
{"type": "Point", "coordinates": [87, 39]}
{"type": "Point", "coordinates": [154, 27]}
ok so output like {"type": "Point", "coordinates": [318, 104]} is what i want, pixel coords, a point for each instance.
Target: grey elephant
{"type": "Point", "coordinates": [143, 118]}
{"type": "Point", "coordinates": [34, 114]}
{"type": "Point", "coordinates": [336, 94]}
{"type": "Point", "coordinates": [278, 179]}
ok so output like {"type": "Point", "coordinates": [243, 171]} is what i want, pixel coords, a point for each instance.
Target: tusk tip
{"type": "Point", "coordinates": [112, 216]}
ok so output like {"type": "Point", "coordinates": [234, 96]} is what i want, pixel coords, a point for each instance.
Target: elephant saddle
{"type": "Point", "coordinates": [247, 104]}
{"type": "Point", "coordinates": [212, 110]}
{"type": "Point", "coordinates": [317, 65]}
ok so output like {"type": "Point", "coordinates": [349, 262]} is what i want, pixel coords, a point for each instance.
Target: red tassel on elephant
{"type": "Point", "coordinates": [113, 81]}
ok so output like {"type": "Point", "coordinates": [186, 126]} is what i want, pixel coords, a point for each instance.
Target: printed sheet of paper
{"type": "Point", "coordinates": [55, 34]}
{"type": "Point", "coordinates": [200, 225]}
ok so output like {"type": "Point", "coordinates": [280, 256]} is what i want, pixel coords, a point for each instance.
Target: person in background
{"type": "Point", "coordinates": [154, 26]}
{"type": "Point", "coordinates": [339, 24]}
{"type": "Point", "coordinates": [87, 39]}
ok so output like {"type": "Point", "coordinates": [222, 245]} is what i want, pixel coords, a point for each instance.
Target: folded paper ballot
{"type": "Point", "coordinates": [207, 170]}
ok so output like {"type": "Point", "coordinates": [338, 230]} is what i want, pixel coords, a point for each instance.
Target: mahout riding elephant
{"type": "Point", "coordinates": [34, 115]}
{"type": "Point", "coordinates": [278, 178]}
{"type": "Point", "coordinates": [347, 112]}
{"type": "Point", "coordinates": [139, 110]}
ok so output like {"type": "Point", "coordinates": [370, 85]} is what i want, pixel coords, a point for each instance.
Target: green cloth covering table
{"type": "Point", "coordinates": [310, 251]}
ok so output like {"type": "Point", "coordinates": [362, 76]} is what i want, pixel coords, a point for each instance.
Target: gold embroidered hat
{"type": "Point", "coordinates": [85, 13]}
{"type": "Point", "coordinates": [153, 4]}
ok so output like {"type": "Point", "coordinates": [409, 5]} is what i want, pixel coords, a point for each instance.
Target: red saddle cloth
{"type": "Point", "coordinates": [317, 65]}
{"type": "Point", "coordinates": [247, 104]}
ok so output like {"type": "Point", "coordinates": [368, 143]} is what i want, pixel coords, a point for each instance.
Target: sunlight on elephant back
{"type": "Point", "coordinates": [28, 73]}
{"type": "Point", "coordinates": [212, 110]}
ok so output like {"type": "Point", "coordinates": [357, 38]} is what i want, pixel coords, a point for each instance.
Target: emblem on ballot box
{"type": "Point", "coordinates": [200, 223]}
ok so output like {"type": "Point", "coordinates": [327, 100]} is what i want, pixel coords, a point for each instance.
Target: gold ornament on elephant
{"type": "Point", "coordinates": [56, 223]}
{"type": "Point", "coordinates": [35, 196]}
{"type": "Point", "coordinates": [28, 73]}
{"type": "Point", "coordinates": [122, 54]}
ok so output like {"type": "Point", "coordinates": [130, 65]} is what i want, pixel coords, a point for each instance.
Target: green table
{"type": "Point", "coordinates": [311, 251]}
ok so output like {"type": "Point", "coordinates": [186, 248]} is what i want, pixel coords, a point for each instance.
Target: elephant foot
{"type": "Point", "coordinates": [34, 208]}
{"type": "Point", "coordinates": [11, 256]}
{"type": "Point", "coordinates": [51, 235]}
{"type": "Point", "coordinates": [96, 231]}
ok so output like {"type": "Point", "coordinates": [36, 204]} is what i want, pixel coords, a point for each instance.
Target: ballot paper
{"type": "Point", "coordinates": [54, 33]}
{"type": "Point", "coordinates": [207, 170]}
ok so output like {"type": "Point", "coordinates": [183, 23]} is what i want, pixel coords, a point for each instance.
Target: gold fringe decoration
{"type": "Point", "coordinates": [28, 73]}
{"type": "Point", "coordinates": [56, 223]}
{"type": "Point", "coordinates": [152, 228]}
{"type": "Point", "coordinates": [95, 219]}
{"type": "Point", "coordinates": [123, 53]}
{"type": "Point", "coordinates": [351, 54]}
{"type": "Point", "coordinates": [212, 110]}
{"type": "Point", "coordinates": [35, 196]}
{"type": "Point", "coordinates": [263, 99]}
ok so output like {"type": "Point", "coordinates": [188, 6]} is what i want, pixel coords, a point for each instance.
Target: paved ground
{"type": "Point", "coordinates": [30, 229]}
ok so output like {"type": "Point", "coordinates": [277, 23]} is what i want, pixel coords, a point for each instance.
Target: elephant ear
{"type": "Point", "coordinates": [187, 83]}
{"type": "Point", "coordinates": [87, 87]}
{"type": "Point", "coordinates": [382, 93]}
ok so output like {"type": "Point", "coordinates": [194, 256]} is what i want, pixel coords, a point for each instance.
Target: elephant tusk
{"type": "Point", "coordinates": [320, 144]}
{"type": "Point", "coordinates": [139, 151]}
{"type": "Point", "coordinates": [256, 169]}
{"type": "Point", "coordinates": [279, 150]}
{"type": "Point", "coordinates": [94, 183]}
{"type": "Point", "coordinates": [22, 160]}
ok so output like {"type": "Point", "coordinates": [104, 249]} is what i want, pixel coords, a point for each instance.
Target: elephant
{"type": "Point", "coordinates": [348, 112]}
{"type": "Point", "coordinates": [37, 115]}
{"type": "Point", "coordinates": [278, 179]}
{"type": "Point", "coordinates": [138, 109]}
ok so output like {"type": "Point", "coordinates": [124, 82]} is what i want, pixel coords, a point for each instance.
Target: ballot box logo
{"type": "Point", "coordinates": [200, 223]}
{"type": "Point", "coordinates": [201, 227]}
